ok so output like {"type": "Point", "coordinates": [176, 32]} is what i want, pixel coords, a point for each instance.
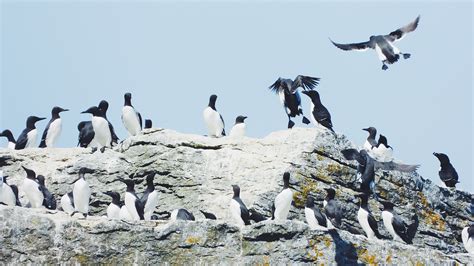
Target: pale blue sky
{"type": "Point", "coordinates": [172, 55]}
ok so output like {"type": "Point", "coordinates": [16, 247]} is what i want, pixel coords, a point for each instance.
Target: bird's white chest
{"type": "Point", "coordinates": [311, 218]}
{"type": "Point", "coordinates": [367, 146]}
{"type": "Point", "coordinates": [382, 153]}
{"type": "Point", "coordinates": [387, 218]}
{"type": "Point", "coordinates": [31, 138]}
{"type": "Point", "coordinates": [130, 204]}
{"type": "Point", "coordinates": [81, 194]}
{"type": "Point", "coordinates": [130, 120]}
{"type": "Point", "coordinates": [113, 211]}
{"type": "Point", "coordinates": [102, 132]}
{"type": "Point", "coordinates": [213, 122]}
{"type": "Point", "coordinates": [150, 204]}
{"type": "Point", "coordinates": [467, 241]}
{"type": "Point", "coordinates": [11, 145]}
{"type": "Point", "coordinates": [363, 217]}
{"type": "Point", "coordinates": [238, 130]}
{"type": "Point", "coordinates": [34, 195]}
{"type": "Point", "coordinates": [53, 132]}
{"type": "Point", "coordinates": [234, 208]}
{"type": "Point", "coordinates": [66, 204]}
{"type": "Point", "coordinates": [282, 204]}
{"type": "Point", "coordinates": [125, 214]}
{"type": "Point", "coordinates": [7, 196]}
{"type": "Point", "coordinates": [380, 54]}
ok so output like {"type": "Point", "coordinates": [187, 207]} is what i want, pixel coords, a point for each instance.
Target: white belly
{"type": "Point", "coordinates": [362, 216]}
{"type": "Point", "coordinates": [387, 222]}
{"type": "Point", "coordinates": [81, 194]}
{"type": "Point", "coordinates": [150, 205]}
{"type": "Point", "coordinates": [31, 138]}
{"type": "Point", "coordinates": [124, 214]}
{"type": "Point", "coordinates": [11, 145]}
{"type": "Point", "coordinates": [367, 146]}
{"type": "Point", "coordinates": [467, 241]}
{"type": "Point", "coordinates": [113, 211]}
{"type": "Point", "coordinates": [234, 208]}
{"type": "Point", "coordinates": [102, 132]}
{"type": "Point", "coordinates": [312, 221]}
{"type": "Point", "coordinates": [130, 120]}
{"type": "Point", "coordinates": [130, 204]}
{"type": "Point", "coordinates": [238, 130]}
{"type": "Point", "coordinates": [213, 122]}
{"type": "Point", "coordinates": [379, 53]}
{"type": "Point", "coordinates": [383, 154]}
{"type": "Point", "coordinates": [311, 117]}
{"type": "Point", "coordinates": [7, 196]}
{"type": "Point", "coordinates": [282, 204]}
{"type": "Point", "coordinates": [53, 132]}
{"type": "Point", "coordinates": [66, 204]}
{"type": "Point", "coordinates": [32, 192]}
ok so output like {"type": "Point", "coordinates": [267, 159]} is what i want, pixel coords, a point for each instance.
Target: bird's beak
{"type": "Point", "coordinates": [435, 154]}
{"type": "Point", "coordinates": [84, 112]}
{"type": "Point", "coordinates": [41, 118]}
{"type": "Point", "coordinates": [64, 110]}
{"type": "Point", "coordinates": [245, 117]}
{"type": "Point", "coordinates": [366, 129]}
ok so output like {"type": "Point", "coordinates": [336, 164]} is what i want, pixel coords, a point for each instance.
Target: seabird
{"type": "Point", "coordinates": [467, 236]}
{"type": "Point", "coordinates": [150, 197]}
{"type": "Point", "coordinates": [32, 190]}
{"type": "Point", "coordinates": [15, 191]}
{"type": "Point", "coordinates": [383, 44]}
{"type": "Point", "coordinates": [365, 169]}
{"type": "Point", "coordinates": [86, 134]}
{"type": "Point", "coordinates": [282, 204]}
{"type": "Point", "coordinates": [314, 217]}
{"type": "Point", "coordinates": [382, 151]}
{"type": "Point", "coordinates": [212, 118]}
{"type": "Point", "coordinates": [319, 114]}
{"type": "Point", "coordinates": [124, 214]}
{"type": "Point", "coordinates": [49, 201]}
{"type": "Point", "coordinates": [287, 90]}
{"type": "Point", "coordinates": [238, 210]}
{"type": "Point", "coordinates": [11, 140]}
{"type": "Point", "coordinates": [132, 120]}
{"type": "Point", "coordinates": [103, 135]}
{"type": "Point", "coordinates": [208, 215]}
{"type": "Point", "coordinates": [132, 202]}
{"type": "Point", "coordinates": [148, 123]}
{"type": "Point", "coordinates": [7, 195]}
{"type": "Point", "coordinates": [353, 154]}
{"type": "Point", "coordinates": [67, 203]}
{"type": "Point", "coordinates": [53, 128]}
{"type": "Point", "coordinates": [27, 138]}
{"type": "Point", "coordinates": [81, 193]}
{"type": "Point", "coordinates": [104, 106]}
{"type": "Point", "coordinates": [332, 209]}
{"type": "Point", "coordinates": [366, 219]}
{"type": "Point", "coordinates": [181, 214]}
{"type": "Point", "coordinates": [238, 130]}
{"type": "Point", "coordinates": [447, 173]}
{"type": "Point", "coordinates": [256, 216]}
{"type": "Point", "coordinates": [113, 210]}
{"type": "Point", "coordinates": [370, 142]}
{"type": "Point", "coordinates": [394, 224]}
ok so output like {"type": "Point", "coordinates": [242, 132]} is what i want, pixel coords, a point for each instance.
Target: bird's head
{"type": "Point", "coordinates": [94, 110]}
{"type": "Point", "coordinates": [30, 122]}
{"type": "Point", "coordinates": [56, 110]}
{"type": "Point", "coordinates": [240, 119]}
{"type": "Point", "coordinates": [312, 94]}
{"type": "Point", "coordinates": [443, 158]}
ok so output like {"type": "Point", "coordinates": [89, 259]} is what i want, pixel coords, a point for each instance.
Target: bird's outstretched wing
{"type": "Point", "coordinates": [275, 87]}
{"type": "Point", "coordinates": [362, 46]}
{"type": "Point", "coordinates": [353, 154]}
{"type": "Point", "coordinates": [389, 166]}
{"type": "Point", "coordinates": [305, 82]}
{"type": "Point", "coordinates": [401, 32]}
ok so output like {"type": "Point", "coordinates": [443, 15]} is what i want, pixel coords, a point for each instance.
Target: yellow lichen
{"type": "Point", "coordinates": [429, 215]}
{"type": "Point", "coordinates": [364, 256]}
{"type": "Point", "coordinates": [300, 197]}
{"type": "Point", "coordinates": [192, 240]}
{"type": "Point", "coordinates": [389, 258]}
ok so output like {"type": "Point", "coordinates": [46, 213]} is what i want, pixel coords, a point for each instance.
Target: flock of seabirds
{"type": "Point", "coordinates": [98, 133]}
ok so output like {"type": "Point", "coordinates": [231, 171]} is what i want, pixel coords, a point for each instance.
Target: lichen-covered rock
{"type": "Point", "coordinates": [196, 173]}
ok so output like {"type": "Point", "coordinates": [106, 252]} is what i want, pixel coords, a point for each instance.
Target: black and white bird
{"type": "Point", "coordinates": [208, 215]}
{"type": "Point", "coordinates": [238, 210]}
{"type": "Point", "coordinates": [332, 209]}
{"type": "Point", "coordinates": [49, 201]}
{"type": "Point", "coordinates": [132, 202]}
{"type": "Point", "coordinates": [148, 123]}
{"type": "Point", "coordinates": [365, 169]}
{"type": "Point", "coordinates": [113, 210]}
{"type": "Point", "coordinates": [366, 219]}
{"type": "Point", "coordinates": [124, 214]}
{"type": "Point", "coordinates": [103, 135]}
{"type": "Point", "coordinates": [131, 118]}
{"type": "Point", "coordinates": [314, 217]}
{"type": "Point", "coordinates": [371, 141]}
{"type": "Point", "coordinates": [32, 189]}
{"type": "Point", "coordinates": [290, 98]}
{"type": "Point", "coordinates": [15, 192]}
{"type": "Point", "coordinates": [81, 193]}
{"type": "Point", "coordinates": [53, 128]}
{"type": "Point", "coordinates": [467, 236]}
{"type": "Point", "coordinates": [67, 203]}
{"type": "Point", "coordinates": [319, 114]}
{"type": "Point", "coordinates": [214, 121]}
{"type": "Point", "coordinates": [86, 134]}
{"type": "Point", "coordinates": [238, 130]}
{"type": "Point", "coordinates": [11, 140]}
{"type": "Point", "coordinates": [447, 173]}
{"type": "Point", "coordinates": [104, 106]}
{"type": "Point", "coordinates": [382, 151]}
{"type": "Point", "coordinates": [27, 138]}
{"type": "Point", "coordinates": [181, 214]}
{"type": "Point", "coordinates": [7, 195]}
{"type": "Point", "coordinates": [383, 44]}
{"type": "Point", "coordinates": [398, 229]}
{"type": "Point", "coordinates": [149, 200]}
{"type": "Point", "coordinates": [282, 204]}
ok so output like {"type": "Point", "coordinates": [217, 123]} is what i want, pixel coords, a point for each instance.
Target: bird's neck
{"type": "Point", "coordinates": [30, 125]}
{"type": "Point", "coordinates": [128, 102]}
{"type": "Point", "coordinates": [116, 201]}
{"type": "Point", "coordinates": [54, 116]}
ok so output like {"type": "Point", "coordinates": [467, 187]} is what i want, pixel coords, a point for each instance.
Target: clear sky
{"type": "Point", "coordinates": [172, 55]}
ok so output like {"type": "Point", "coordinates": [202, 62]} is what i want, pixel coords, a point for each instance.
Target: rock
{"type": "Point", "coordinates": [196, 172]}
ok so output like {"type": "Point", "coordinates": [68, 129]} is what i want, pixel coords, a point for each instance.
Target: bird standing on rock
{"type": "Point", "coordinates": [32, 189]}
{"type": "Point", "coordinates": [319, 114]}
{"type": "Point", "coordinates": [11, 140]}
{"type": "Point", "coordinates": [53, 128]}
{"type": "Point", "coordinates": [212, 118]}
{"type": "Point", "coordinates": [27, 138]}
{"type": "Point", "coordinates": [282, 204]}
{"type": "Point", "coordinates": [238, 210]}
{"type": "Point", "coordinates": [132, 120]}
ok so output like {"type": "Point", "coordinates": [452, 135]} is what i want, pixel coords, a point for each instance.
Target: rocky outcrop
{"type": "Point", "coordinates": [197, 172]}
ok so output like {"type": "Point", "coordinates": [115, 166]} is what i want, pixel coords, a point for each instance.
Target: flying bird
{"type": "Point", "coordinates": [447, 173]}
{"type": "Point", "coordinates": [383, 44]}
{"type": "Point", "coordinates": [290, 98]}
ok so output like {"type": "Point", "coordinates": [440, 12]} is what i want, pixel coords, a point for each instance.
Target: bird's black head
{"type": "Point", "coordinates": [372, 131]}
{"type": "Point", "coordinates": [85, 170]}
{"type": "Point", "coordinates": [383, 140]}
{"type": "Point", "coordinates": [104, 106]}
{"type": "Point", "coordinates": [240, 119]}
{"type": "Point", "coordinates": [212, 101]}
{"type": "Point", "coordinates": [128, 99]}
{"type": "Point", "coordinates": [30, 122]}
{"type": "Point", "coordinates": [443, 158]}
{"type": "Point", "coordinates": [363, 199]}
{"type": "Point", "coordinates": [387, 206]}
{"type": "Point", "coordinates": [129, 182]}
{"type": "Point", "coordinates": [29, 173]}
{"type": "Point", "coordinates": [150, 178]}
{"type": "Point", "coordinates": [313, 95]}
{"type": "Point", "coordinates": [56, 110]}
{"type": "Point", "coordinates": [94, 110]}
{"type": "Point", "coordinates": [286, 180]}
{"type": "Point", "coordinates": [148, 123]}
{"type": "Point", "coordinates": [81, 125]}
{"type": "Point", "coordinates": [115, 196]}
{"type": "Point", "coordinates": [331, 193]}
{"type": "Point", "coordinates": [310, 201]}
{"type": "Point", "coordinates": [40, 179]}
{"type": "Point", "coordinates": [236, 190]}
{"type": "Point", "coordinates": [8, 134]}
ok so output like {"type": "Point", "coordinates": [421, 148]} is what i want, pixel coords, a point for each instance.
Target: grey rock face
{"type": "Point", "coordinates": [196, 173]}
